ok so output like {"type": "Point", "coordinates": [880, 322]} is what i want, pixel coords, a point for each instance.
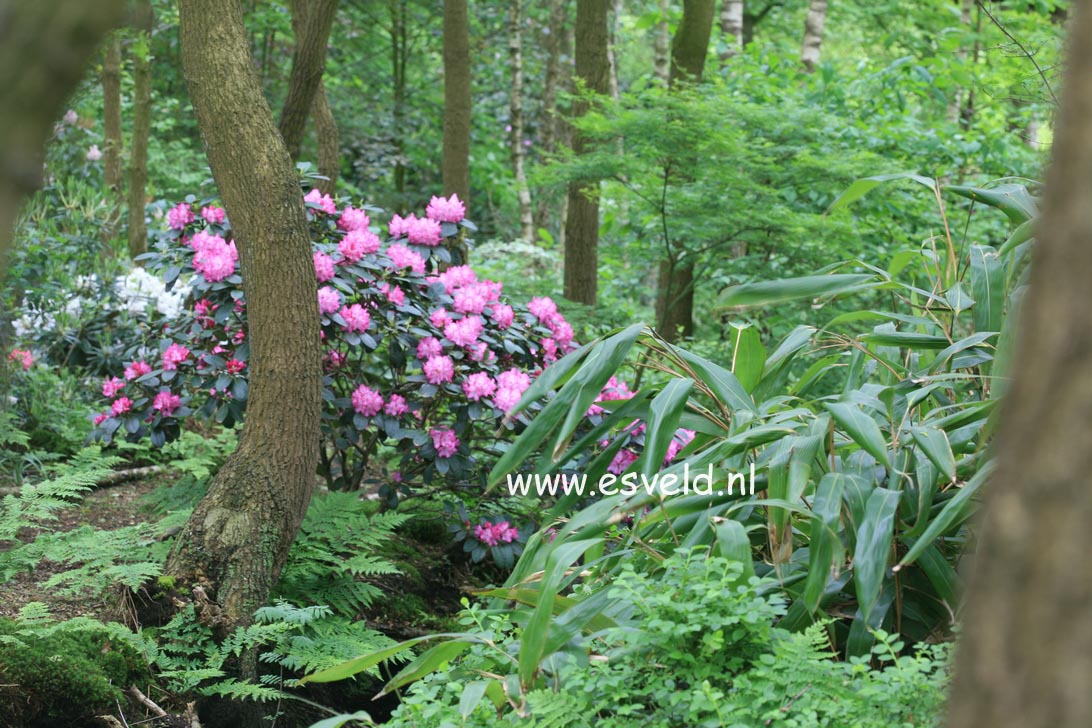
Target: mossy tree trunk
{"type": "Point", "coordinates": [582, 219]}
{"type": "Point", "coordinates": [45, 49]}
{"type": "Point", "coordinates": [142, 119]}
{"type": "Point", "coordinates": [313, 20]}
{"type": "Point", "coordinates": [236, 542]}
{"type": "Point", "coordinates": [675, 292]}
{"type": "Point", "coordinates": [1027, 630]}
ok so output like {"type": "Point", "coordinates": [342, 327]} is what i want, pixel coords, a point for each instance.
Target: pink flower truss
{"type": "Point", "coordinates": [329, 300]}
{"type": "Point", "coordinates": [356, 318]}
{"type": "Point", "coordinates": [166, 403]}
{"type": "Point", "coordinates": [445, 441]}
{"type": "Point", "coordinates": [353, 219]}
{"type": "Point", "coordinates": [439, 369]}
{"type": "Point", "coordinates": [446, 210]}
{"type": "Point", "coordinates": [367, 401]}
{"type": "Point", "coordinates": [324, 266]}
{"type": "Point", "coordinates": [478, 385]}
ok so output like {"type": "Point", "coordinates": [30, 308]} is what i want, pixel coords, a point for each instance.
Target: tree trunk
{"type": "Point", "coordinates": [731, 26]}
{"type": "Point", "coordinates": [142, 119]}
{"type": "Point", "coordinates": [399, 58]}
{"type": "Point", "coordinates": [326, 131]}
{"type": "Point", "coordinates": [661, 46]}
{"type": "Point", "coordinates": [112, 145]}
{"type": "Point", "coordinates": [615, 23]}
{"type": "Point", "coordinates": [956, 102]}
{"type": "Point", "coordinates": [45, 48]}
{"type": "Point", "coordinates": [675, 292]}
{"type": "Point", "coordinates": [515, 119]}
{"type": "Point", "coordinates": [457, 100]}
{"type": "Point", "coordinates": [308, 65]}
{"type": "Point", "coordinates": [691, 42]}
{"type": "Point", "coordinates": [236, 542]}
{"type": "Point", "coordinates": [329, 141]}
{"type": "Point", "coordinates": [1027, 630]}
{"type": "Point", "coordinates": [813, 34]}
{"type": "Point", "coordinates": [582, 220]}
{"type": "Point", "coordinates": [111, 112]}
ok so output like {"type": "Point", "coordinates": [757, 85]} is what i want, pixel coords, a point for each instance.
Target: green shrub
{"type": "Point", "coordinates": [694, 645]}
{"type": "Point", "coordinates": [62, 674]}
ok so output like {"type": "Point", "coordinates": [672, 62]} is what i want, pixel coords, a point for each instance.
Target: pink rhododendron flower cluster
{"type": "Point", "coordinates": [445, 441]}
{"type": "Point", "coordinates": [173, 356]}
{"type": "Point", "coordinates": [324, 266]}
{"type": "Point", "coordinates": [367, 401]}
{"type": "Point", "coordinates": [214, 215]}
{"type": "Point", "coordinates": [23, 357]}
{"type": "Point", "coordinates": [329, 300]}
{"type": "Point", "coordinates": [356, 318]}
{"type": "Point", "coordinates": [353, 220]}
{"type": "Point", "coordinates": [137, 369]}
{"type": "Point", "coordinates": [422, 231]}
{"type": "Point", "coordinates": [179, 216]}
{"type": "Point", "coordinates": [325, 202]}
{"type": "Point", "coordinates": [492, 534]}
{"type": "Point", "coordinates": [214, 257]}
{"type": "Point", "coordinates": [446, 210]}
{"type": "Point", "coordinates": [166, 403]}
{"type": "Point", "coordinates": [358, 243]}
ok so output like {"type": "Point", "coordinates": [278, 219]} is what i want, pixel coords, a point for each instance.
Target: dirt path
{"type": "Point", "coordinates": [106, 509]}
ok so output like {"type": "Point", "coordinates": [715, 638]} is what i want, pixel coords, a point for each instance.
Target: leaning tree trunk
{"type": "Point", "coordinates": [142, 119]}
{"type": "Point", "coordinates": [1024, 658]}
{"type": "Point", "coordinates": [236, 542]}
{"type": "Point", "coordinates": [582, 221]}
{"type": "Point", "coordinates": [515, 120]}
{"type": "Point", "coordinates": [455, 163]}
{"type": "Point", "coordinates": [308, 64]}
{"type": "Point", "coordinates": [813, 34]}
{"type": "Point", "coordinates": [675, 292]}
{"type": "Point", "coordinates": [326, 131]}
{"type": "Point", "coordinates": [45, 48]}
{"type": "Point", "coordinates": [112, 145]}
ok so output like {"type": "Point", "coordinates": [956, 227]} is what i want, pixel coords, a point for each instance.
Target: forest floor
{"type": "Point", "coordinates": [422, 599]}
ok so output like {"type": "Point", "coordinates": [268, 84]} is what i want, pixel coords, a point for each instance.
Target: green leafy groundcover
{"type": "Point", "coordinates": [697, 650]}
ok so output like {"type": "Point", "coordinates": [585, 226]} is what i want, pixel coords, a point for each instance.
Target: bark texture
{"type": "Point", "coordinates": [675, 292]}
{"type": "Point", "coordinates": [329, 140]}
{"type": "Point", "coordinates": [45, 48]}
{"type": "Point", "coordinates": [515, 119]}
{"type": "Point", "coordinates": [661, 46]}
{"type": "Point", "coordinates": [457, 104]}
{"type": "Point", "coordinates": [691, 42]}
{"type": "Point", "coordinates": [582, 218]}
{"type": "Point", "coordinates": [142, 119]}
{"type": "Point", "coordinates": [813, 34]}
{"type": "Point", "coordinates": [236, 542]}
{"type": "Point", "coordinates": [1026, 654]}
{"type": "Point", "coordinates": [731, 26]}
{"type": "Point", "coordinates": [308, 65]}
{"type": "Point", "coordinates": [111, 113]}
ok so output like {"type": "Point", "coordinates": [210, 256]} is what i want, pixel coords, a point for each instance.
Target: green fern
{"type": "Point", "coordinates": [38, 503]}
{"type": "Point", "coordinates": [334, 550]}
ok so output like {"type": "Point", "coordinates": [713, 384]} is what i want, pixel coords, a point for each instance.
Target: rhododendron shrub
{"type": "Point", "coordinates": [418, 358]}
